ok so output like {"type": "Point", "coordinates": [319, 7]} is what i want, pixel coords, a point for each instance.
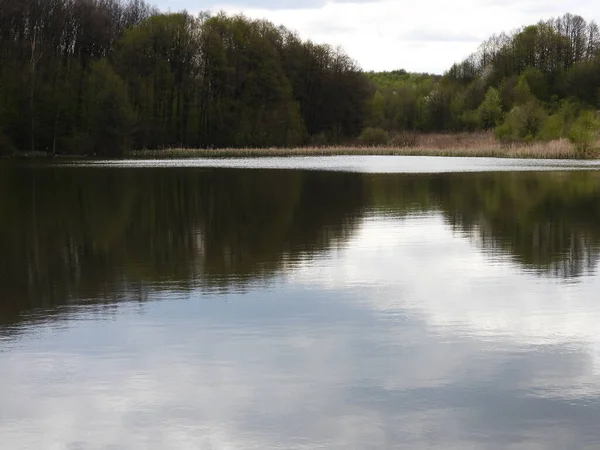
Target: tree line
{"type": "Point", "coordinates": [539, 82]}
{"type": "Point", "coordinates": [99, 76]}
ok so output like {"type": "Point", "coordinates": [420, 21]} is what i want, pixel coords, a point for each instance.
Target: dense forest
{"type": "Point", "coordinates": [97, 76]}
{"type": "Point", "coordinates": [101, 76]}
{"type": "Point", "coordinates": [539, 82]}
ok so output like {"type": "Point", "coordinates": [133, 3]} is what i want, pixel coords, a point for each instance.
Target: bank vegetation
{"type": "Point", "coordinates": [105, 77]}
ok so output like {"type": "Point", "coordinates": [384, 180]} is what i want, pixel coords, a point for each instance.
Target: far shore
{"type": "Point", "coordinates": [482, 145]}
{"type": "Point", "coordinates": [457, 145]}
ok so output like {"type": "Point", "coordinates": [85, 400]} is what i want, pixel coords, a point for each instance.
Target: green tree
{"type": "Point", "coordinates": [108, 115]}
{"type": "Point", "coordinates": [536, 82]}
{"type": "Point", "coordinates": [490, 111]}
{"type": "Point", "coordinates": [522, 94]}
{"type": "Point", "coordinates": [584, 131]}
{"type": "Point", "coordinates": [377, 113]}
{"type": "Point", "coordinates": [522, 123]}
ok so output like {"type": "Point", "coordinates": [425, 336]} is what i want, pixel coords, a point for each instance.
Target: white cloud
{"type": "Point", "coordinates": [419, 264]}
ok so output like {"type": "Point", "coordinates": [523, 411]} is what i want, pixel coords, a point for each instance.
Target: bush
{"type": "Point", "coordinates": [584, 131]}
{"type": "Point", "coordinates": [522, 123]}
{"type": "Point", "coordinates": [469, 120]}
{"type": "Point", "coordinates": [558, 125]}
{"type": "Point", "coordinates": [374, 137]}
{"type": "Point", "coordinates": [552, 128]}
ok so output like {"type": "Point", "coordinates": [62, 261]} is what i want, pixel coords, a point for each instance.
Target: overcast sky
{"type": "Point", "coordinates": [415, 35]}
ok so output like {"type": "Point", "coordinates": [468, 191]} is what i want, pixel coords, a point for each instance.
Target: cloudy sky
{"type": "Point", "coordinates": [424, 36]}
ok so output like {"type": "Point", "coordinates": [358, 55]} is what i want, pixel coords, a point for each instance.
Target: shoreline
{"type": "Point", "coordinates": [513, 152]}
{"type": "Point", "coordinates": [476, 145]}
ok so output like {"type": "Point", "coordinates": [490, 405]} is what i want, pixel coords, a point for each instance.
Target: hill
{"type": "Point", "coordinates": [539, 82]}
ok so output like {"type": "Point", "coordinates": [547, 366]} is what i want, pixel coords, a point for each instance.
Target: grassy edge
{"type": "Point", "coordinates": [527, 152]}
{"type": "Point", "coordinates": [482, 144]}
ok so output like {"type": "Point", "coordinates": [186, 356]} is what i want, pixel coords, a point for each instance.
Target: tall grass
{"type": "Point", "coordinates": [448, 144]}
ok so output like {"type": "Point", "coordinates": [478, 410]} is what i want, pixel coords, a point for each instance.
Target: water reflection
{"type": "Point", "coordinates": [547, 221]}
{"type": "Point", "coordinates": [69, 235]}
{"type": "Point", "coordinates": [287, 309]}
{"type": "Point", "coordinates": [85, 234]}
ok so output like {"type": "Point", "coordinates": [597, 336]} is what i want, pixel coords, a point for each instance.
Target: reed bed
{"type": "Point", "coordinates": [460, 144]}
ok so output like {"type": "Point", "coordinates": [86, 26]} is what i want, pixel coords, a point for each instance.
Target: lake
{"type": "Point", "coordinates": [300, 303]}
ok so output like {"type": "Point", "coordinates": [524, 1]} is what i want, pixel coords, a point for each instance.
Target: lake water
{"type": "Point", "coordinates": [354, 303]}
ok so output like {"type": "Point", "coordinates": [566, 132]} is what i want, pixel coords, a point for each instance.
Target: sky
{"type": "Point", "coordinates": [420, 36]}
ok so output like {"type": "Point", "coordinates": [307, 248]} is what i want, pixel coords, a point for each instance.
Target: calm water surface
{"type": "Point", "coordinates": [435, 304]}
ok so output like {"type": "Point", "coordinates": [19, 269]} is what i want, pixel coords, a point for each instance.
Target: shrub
{"type": "Point", "coordinates": [584, 131]}
{"type": "Point", "coordinates": [469, 120]}
{"type": "Point", "coordinates": [552, 128]}
{"type": "Point", "coordinates": [374, 137]}
{"type": "Point", "coordinates": [522, 123]}
{"type": "Point", "coordinates": [558, 125]}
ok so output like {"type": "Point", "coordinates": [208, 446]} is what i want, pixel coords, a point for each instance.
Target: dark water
{"type": "Point", "coordinates": [247, 308]}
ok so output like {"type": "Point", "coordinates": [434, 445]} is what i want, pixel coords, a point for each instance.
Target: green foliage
{"type": "Point", "coordinates": [584, 131]}
{"type": "Point", "coordinates": [131, 77]}
{"type": "Point", "coordinates": [490, 111]}
{"type": "Point", "coordinates": [522, 123]}
{"type": "Point", "coordinates": [507, 92]}
{"type": "Point", "coordinates": [470, 120]}
{"type": "Point", "coordinates": [374, 137]}
{"type": "Point", "coordinates": [108, 115]}
{"type": "Point", "coordinates": [397, 79]}
{"type": "Point", "coordinates": [559, 124]}
{"type": "Point", "coordinates": [377, 115]}
{"type": "Point", "coordinates": [541, 64]}
{"type": "Point", "coordinates": [552, 128]}
{"type": "Point", "coordinates": [522, 92]}
{"type": "Point", "coordinates": [536, 84]}
{"type": "Point", "coordinates": [582, 81]}
{"type": "Point", "coordinates": [399, 100]}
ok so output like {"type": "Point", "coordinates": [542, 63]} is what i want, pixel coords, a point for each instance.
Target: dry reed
{"type": "Point", "coordinates": [459, 144]}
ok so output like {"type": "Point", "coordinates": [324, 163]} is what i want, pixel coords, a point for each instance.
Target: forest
{"type": "Point", "coordinates": [540, 82]}
{"type": "Point", "coordinates": [99, 77]}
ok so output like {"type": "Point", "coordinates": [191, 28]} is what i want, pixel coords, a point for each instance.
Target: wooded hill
{"type": "Point", "coordinates": [100, 76]}
{"type": "Point", "coordinates": [539, 82]}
